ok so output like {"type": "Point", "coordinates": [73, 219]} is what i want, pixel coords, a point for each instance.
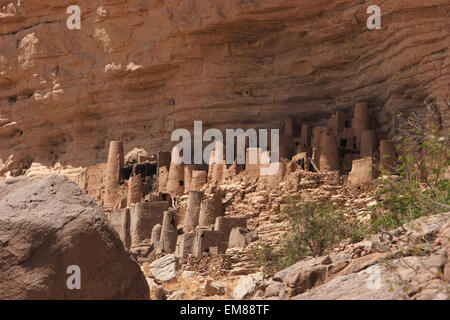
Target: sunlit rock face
{"type": "Point", "coordinates": [139, 69]}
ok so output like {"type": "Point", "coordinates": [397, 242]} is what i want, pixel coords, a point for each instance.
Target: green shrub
{"type": "Point", "coordinates": [268, 257]}
{"type": "Point", "coordinates": [417, 186]}
{"type": "Point", "coordinates": [315, 229]}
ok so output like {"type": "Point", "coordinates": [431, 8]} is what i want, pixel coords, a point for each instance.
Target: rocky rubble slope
{"type": "Point", "coordinates": [138, 69]}
{"type": "Point", "coordinates": [61, 226]}
{"type": "Point", "coordinates": [48, 224]}
{"type": "Point", "coordinates": [411, 261]}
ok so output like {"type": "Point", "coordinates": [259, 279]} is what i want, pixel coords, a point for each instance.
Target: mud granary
{"type": "Point", "coordinates": [142, 196]}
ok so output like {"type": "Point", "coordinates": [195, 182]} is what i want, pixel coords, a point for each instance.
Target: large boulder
{"type": "Point", "coordinates": [48, 224]}
{"type": "Point", "coordinates": [247, 285]}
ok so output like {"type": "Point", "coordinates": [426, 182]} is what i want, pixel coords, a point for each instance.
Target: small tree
{"type": "Point", "coordinates": [418, 185]}
{"type": "Point", "coordinates": [315, 228]}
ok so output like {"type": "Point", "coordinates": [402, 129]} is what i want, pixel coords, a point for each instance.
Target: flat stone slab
{"type": "Point", "coordinates": [165, 268]}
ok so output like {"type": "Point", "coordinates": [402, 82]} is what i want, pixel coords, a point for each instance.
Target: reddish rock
{"type": "Point", "coordinates": [66, 93]}
{"type": "Point", "coordinates": [46, 225]}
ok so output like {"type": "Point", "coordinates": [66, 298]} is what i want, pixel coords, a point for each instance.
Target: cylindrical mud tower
{"type": "Point", "coordinates": [210, 209]}
{"type": "Point", "coordinates": [211, 164]}
{"type": "Point", "coordinates": [207, 215]}
{"type": "Point", "coordinates": [360, 121]}
{"type": "Point", "coordinates": [217, 164]}
{"type": "Point", "coordinates": [168, 239]}
{"type": "Point", "coordinates": [115, 162]}
{"type": "Point", "coordinates": [218, 172]}
{"type": "Point", "coordinates": [368, 144]}
{"type": "Point", "coordinates": [288, 128]}
{"type": "Point", "coordinates": [134, 189]}
{"type": "Point", "coordinates": [286, 147]}
{"type": "Point", "coordinates": [175, 181]}
{"type": "Point", "coordinates": [329, 157]}
{"type": "Point", "coordinates": [198, 180]}
{"type": "Point", "coordinates": [156, 235]}
{"type": "Point", "coordinates": [193, 210]}
{"type": "Point", "coordinates": [305, 136]}
{"type": "Point", "coordinates": [315, 159]}
{"type": "Point", "coordinates": [188, 169]}
{"type": "Point", "coordinates": [317, 133]}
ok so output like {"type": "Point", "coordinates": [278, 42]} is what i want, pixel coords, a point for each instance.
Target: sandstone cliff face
{"type": "Point", "coordinates": [138, 69]}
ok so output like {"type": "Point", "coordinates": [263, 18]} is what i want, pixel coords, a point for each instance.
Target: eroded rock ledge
{"type": "Point", "coordinates": [138, 69]}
